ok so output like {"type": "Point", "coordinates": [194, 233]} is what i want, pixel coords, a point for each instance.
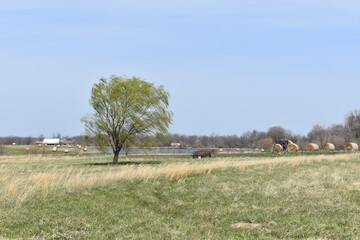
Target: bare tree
{"type": "Point", "coordinates": [277, 132]}
{"type": "Point", "coordinates": [265, 143]}
{"type": "Point", "coordinates": [338, 135]}
{"type": "Point", "coordinates": [319, 134]}
{"type": "Point", "coordinates": [301, 141]}
{"type": "Point", "coordinates": [352, 125]}
{"type": "Point", "coordinates": [249, 139]}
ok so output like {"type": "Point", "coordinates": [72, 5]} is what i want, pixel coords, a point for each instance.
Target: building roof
{"type": "Point", "coordinates": [51, 141]}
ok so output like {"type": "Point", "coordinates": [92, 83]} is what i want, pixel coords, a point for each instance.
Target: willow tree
{"type": "Point", "coordinates": [125, 108]}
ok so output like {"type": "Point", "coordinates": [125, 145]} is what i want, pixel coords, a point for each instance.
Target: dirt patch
{"type": "Point", "coordinates": [245, 225]}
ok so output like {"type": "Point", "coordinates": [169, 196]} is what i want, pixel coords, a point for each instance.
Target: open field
{"type": "Point", "coordinates": [31, 150]}
{"type": "Point", "coordinates": [10, 150]}
{"type": "Point", "coordinates": [285, 197]}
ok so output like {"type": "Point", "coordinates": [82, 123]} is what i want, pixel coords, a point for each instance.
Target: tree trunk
{"type": "Point", "coordinates": [116, 156]}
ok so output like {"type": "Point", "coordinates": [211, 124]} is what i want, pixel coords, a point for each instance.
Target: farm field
{"type": "Point", "coordinates": [241, 197]}
{"type": "Point", "coordinates": [34, 150]}
{"type": "Point", "coordinates": [30, 150]}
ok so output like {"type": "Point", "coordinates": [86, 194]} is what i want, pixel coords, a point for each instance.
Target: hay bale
{"type": "Point", "coordinates": [54, 149]}
{"type": "Point", "coordinates": [28, 149]}
{"type": "Point", "coordinates": [312, 147]}
{"type": "Point", "coordinates": [85, 149]}
{"type": "Point", "coordinates": [351, 147]}
{"type": "Point", "coordinates": [66, 151]}
{"type": "Point", "coordinates": [277, 148]}
{"type": "Point", "coordinates": [329, 147]}
{"type": "Point", "coordinates": [293, 147]}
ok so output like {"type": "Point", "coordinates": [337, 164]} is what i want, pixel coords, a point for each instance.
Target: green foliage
{"type": "Point", "coordinates": [126, 108]}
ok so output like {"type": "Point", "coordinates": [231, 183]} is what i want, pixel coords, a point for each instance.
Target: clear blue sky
{"type": "Point", "coordinates": [230, 65]}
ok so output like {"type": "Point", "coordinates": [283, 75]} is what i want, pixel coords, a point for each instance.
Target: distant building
{"type": "Point", "coordinates": [51, 141]}
{"type": "Point", "coordinates": [175, 145]}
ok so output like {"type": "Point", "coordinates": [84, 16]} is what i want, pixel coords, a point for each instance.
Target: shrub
{"type": "Point", "coordinates": [204, 153]}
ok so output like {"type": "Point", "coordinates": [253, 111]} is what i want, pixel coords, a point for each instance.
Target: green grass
{"type": "Point", "coordinates": [31, 150]}
{"type": "Point", "coordinates": [291, 200]}
{"type": "Point", "coordinates": [19, 150]}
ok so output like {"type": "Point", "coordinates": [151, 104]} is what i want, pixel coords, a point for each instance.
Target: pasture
{"type": "Point", "coordinates": [31, 150]}
{"type": "Point", "coordinates": [284, 197]}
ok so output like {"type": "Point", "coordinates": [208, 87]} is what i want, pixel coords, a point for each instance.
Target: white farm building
{"type": "Point", "coordinates": [51, 141]}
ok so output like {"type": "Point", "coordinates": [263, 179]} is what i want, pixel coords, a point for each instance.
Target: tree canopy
{"type": "Point", "coordinates": [124, 108]}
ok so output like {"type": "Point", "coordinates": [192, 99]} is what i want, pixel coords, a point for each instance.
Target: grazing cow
{"type": "Point", "coordinates": [203, 153]}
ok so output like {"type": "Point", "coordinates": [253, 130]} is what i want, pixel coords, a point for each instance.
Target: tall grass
{"type": "Point", "coordinates": [24, 177]}
{"type": "Point", "coordinates": [313, 197]}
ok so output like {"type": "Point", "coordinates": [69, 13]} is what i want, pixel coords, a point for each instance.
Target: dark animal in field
{"type": "Point", "coordinates": [204, 153]}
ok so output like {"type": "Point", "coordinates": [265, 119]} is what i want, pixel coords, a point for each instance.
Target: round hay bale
{"type": "Point", "coordinates": [66, 151]}
{"type": "Point", "coordinates": [312, 147]}
{"type": "Point", "coordinates": [85, 149]}
{"type": "Point", "coordinates": [277, 148]}
{"type": "Point", "coordinates": [329, 147]}
{"type": "Point", "coordinates": [54, 149]}
{"type": "Point", "coordinates": [351, 147]}
{"type": "Point", "coordinates": [27, 149]}
{"type": "Point", "coordinates": [293, 147]}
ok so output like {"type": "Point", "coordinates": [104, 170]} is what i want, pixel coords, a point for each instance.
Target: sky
{"type": "Point", "coordinates": [230, 66]}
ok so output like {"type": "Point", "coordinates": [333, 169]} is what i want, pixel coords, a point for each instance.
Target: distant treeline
{"type": "Point", "coordinates": [338, 134]}
{"type": "Point", "coordinates": [17, 140]}
{"type": "Point", "coordinates": [32, 140]}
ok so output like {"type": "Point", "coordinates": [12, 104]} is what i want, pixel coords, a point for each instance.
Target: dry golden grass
{"type": "Point", "coordinates": [19, 180]}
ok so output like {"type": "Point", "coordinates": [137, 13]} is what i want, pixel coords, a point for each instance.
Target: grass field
{"type": "Point", "coordinates": [31, 150]}
{"type": "Point", "coordinates": [35, 150]}
{"type": "Point", "coordinates": [285, 197]}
